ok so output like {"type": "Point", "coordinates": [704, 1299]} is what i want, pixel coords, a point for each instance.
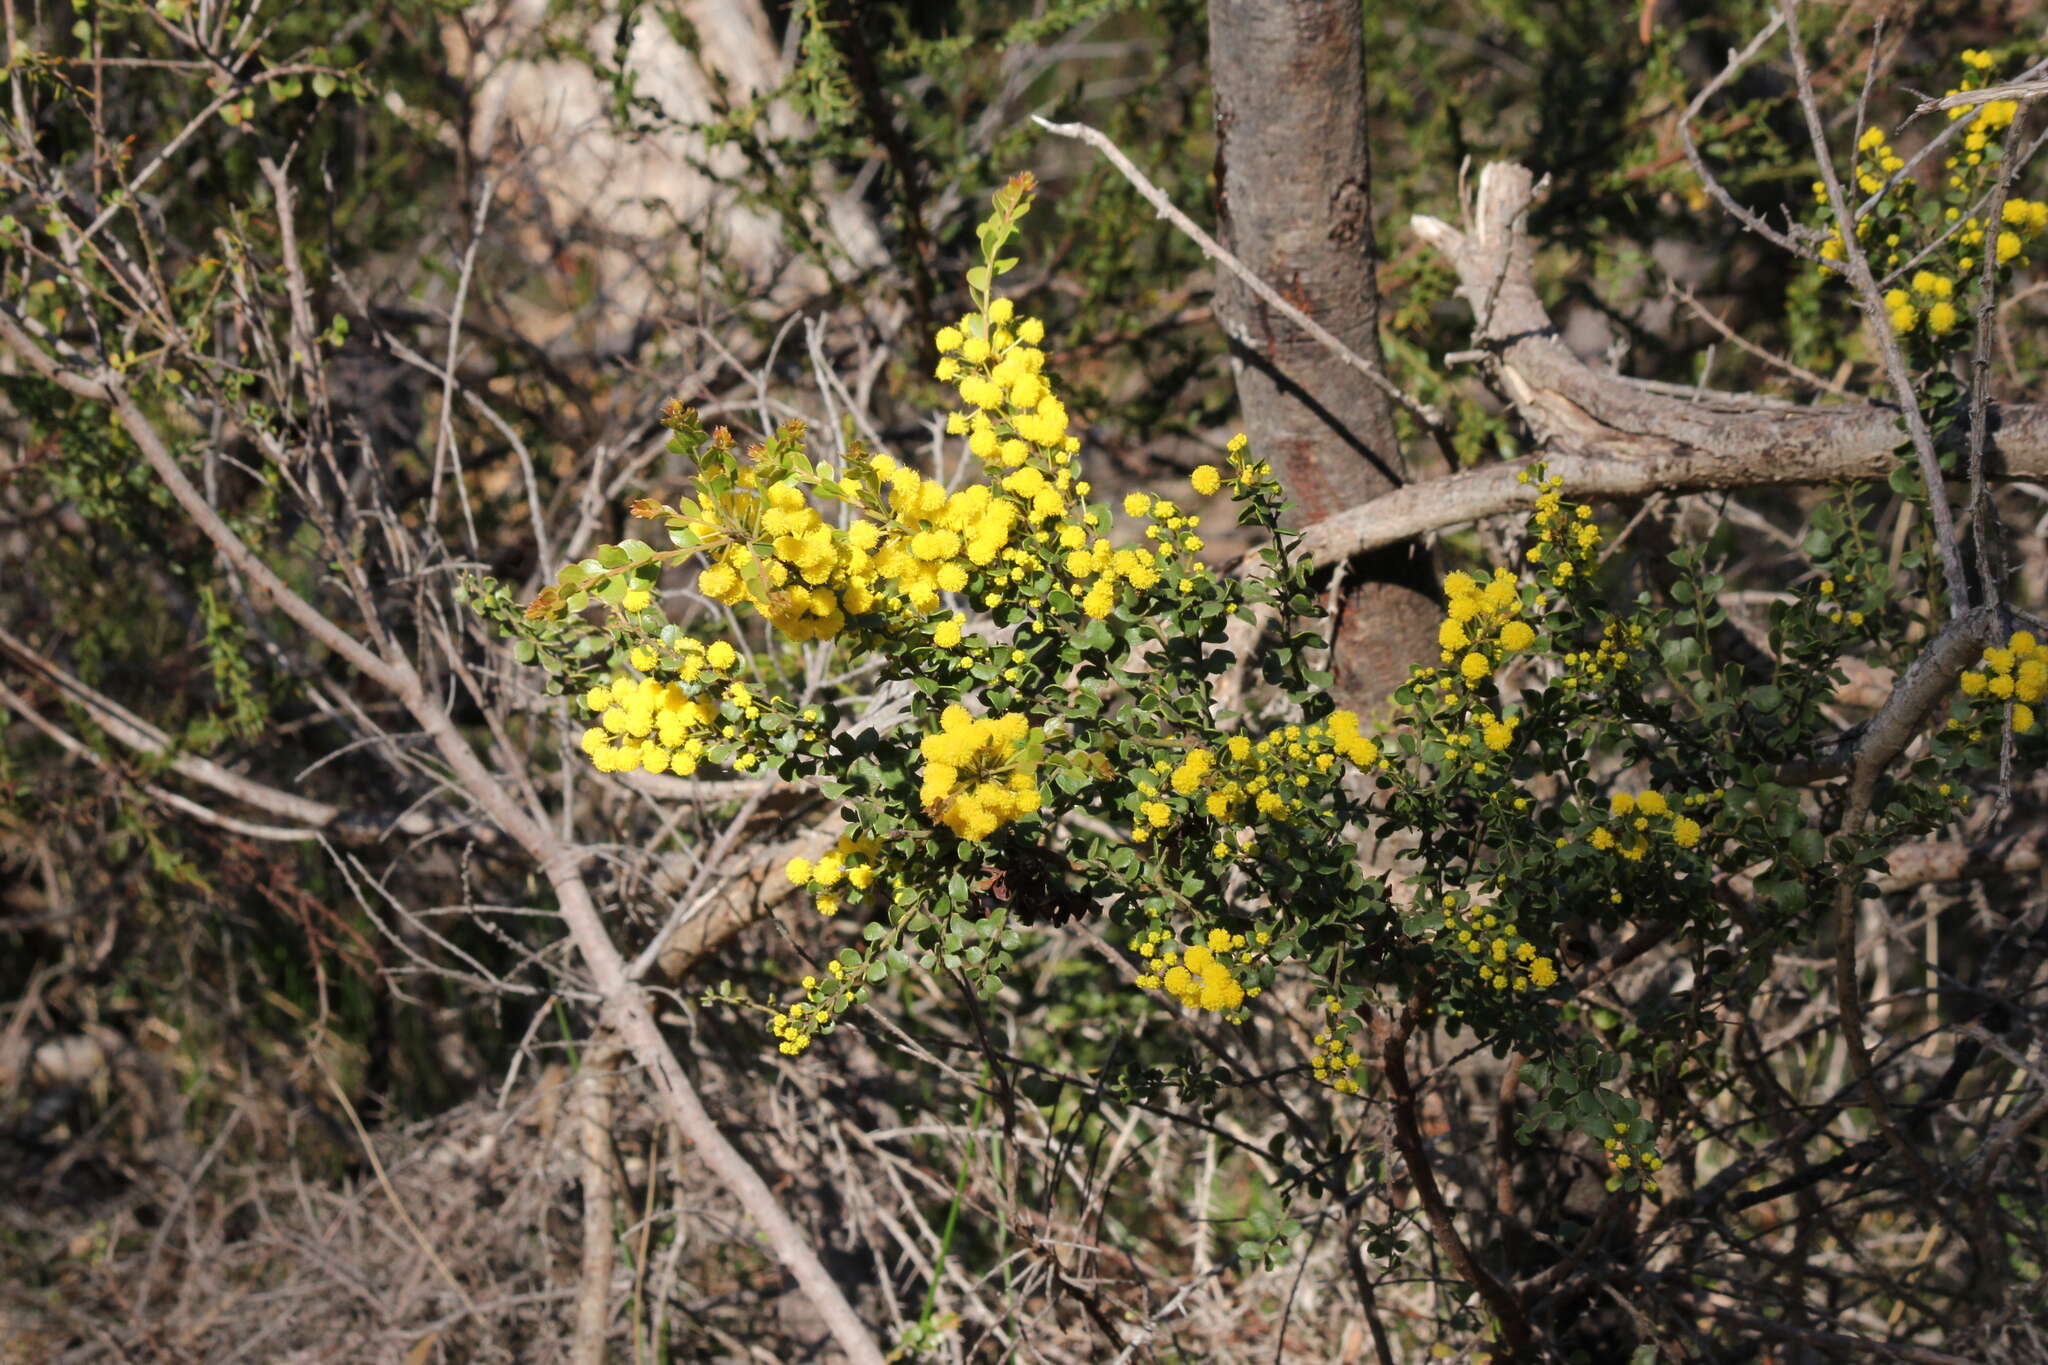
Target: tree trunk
{"type": "Point", "coordinates": [1294, 202]}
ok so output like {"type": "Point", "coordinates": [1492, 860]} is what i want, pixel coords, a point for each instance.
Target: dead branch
{"type": "Point", "coordinates": [314, 817]}
{"type": "Point", "coordinates": [751, 889]}
{"type": "Point", "coordinates": [1610, 437]}
{"type": "Point", "coordinates": [558, 861]}
{"type": "Point", "coordinates": [1951, 860]}
{"type": "Point", "coordinates": [79, 749]}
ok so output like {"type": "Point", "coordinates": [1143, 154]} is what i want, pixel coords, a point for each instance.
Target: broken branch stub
{"type": "Point", "coordinates": [1713, 440]}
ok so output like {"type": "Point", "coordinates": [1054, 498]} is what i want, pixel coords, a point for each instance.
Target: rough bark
{"type": "Point", "coordinates": [1294, 202]}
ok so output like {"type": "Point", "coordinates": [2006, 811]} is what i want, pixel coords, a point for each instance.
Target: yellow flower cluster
{"type": "Point", "coordinates": [1609, 659]}
{"type": "Point", "coordinates": [999, 372]}
{"type": "Point", "coordinates": [776, 554]}
{"type": "Point", "coordinates": [1249, 781]}
{"type": "Point", "coordinates": [1480, 630]}
{"type": "Point", "coordinates": [792, 1027]}
{"type": "Point", "coordinates": [850, 865]}
{"type": "Point", "coordinates": [914, 540]}
{"type": "Point", "coordinates": [1504, 957]}
{"type": "Point", "coordinates": [1015, 422]}
{"type": "Point", "coordinates": [2016, 673]}
{"type": "Point", "coordinates": [1470, 733]}
{"type": "Point", "coordinates": [771, 549]}
{"type": "Point", "coordinates": [1350, 745]}
{"type": "Point", "coordinates": [1335, 1060]}
{"type": "Point", "coordinates": [1246, 472]}
{"type": "Point", "coordinates": [1636, 816]}
{"type": "Point", "coordinates": [934, 541]}
{"type": "Point", "coordinates": [1479, 627]}
{"type": "Point", "coordinates": [1831, 605]}
{"type": "Point", "coordinates": [805, 577]}
{"type": "Point", "coordinates": [644, 723]}
{"type": "Point", "coordinates": [1199, 977]}
{"type": "Point", "coordinates": [2029, 216]}
{"type": "Point", "coordinates": [1988, 119]}
{"type": "Point", "coordinates": [1074, 547]}
{"type": "Point", "coordinates": [1174, 531]}
{"type": "Point", "coordinates": [1931, 292]}
{"type": "Point", "coordinates": [1625, 1156]}
{"type": "Point", "coordinates": [765, 545]}
{"type": "Point", "coordinates": [980, 772]}
{"type": "Point", "coordinates": [1566, 538]}
{"type": "Point", "coordinates": [1875, 160]}
{"type": "Point", "coordinates": [1877, 165]}
{"type": "Point", "coordinates": [2023, 220]}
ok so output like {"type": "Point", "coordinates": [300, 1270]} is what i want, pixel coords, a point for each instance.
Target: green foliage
{"type": "Point", "coordinates": [1579, 764]}
{"type": "Point", "coordinates": [1635, 680]}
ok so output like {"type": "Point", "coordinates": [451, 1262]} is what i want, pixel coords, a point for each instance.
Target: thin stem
{"type": "Point", "coordinates": [1392, 1033]}
{"type": "Point", "coordinates": [1215, 251]}
{"type": "Point", "coordinates": [1878, 319]}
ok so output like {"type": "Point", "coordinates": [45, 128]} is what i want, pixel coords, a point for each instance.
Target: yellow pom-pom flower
{"type": "Point", "coordinates": [980, 772]}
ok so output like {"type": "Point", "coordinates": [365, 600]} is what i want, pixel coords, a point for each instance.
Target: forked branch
{"type": "Point", "coordinates": [624, 1002]}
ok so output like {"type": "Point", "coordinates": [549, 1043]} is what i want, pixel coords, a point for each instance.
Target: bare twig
{"type": "Point", "coordinates": [1877, 320]}
{"type": "Point", "coordinates": [445, 453]}
{"type": "Point", "coordinates": [1610, 436]}
{"type": "Point", "coordinates": [1864, 751]}
{"type": "Point", "coordinates": [71, 744]}
{"type": "Point", "coordinates": [560, 863]}
{"type": "Point", "coordinates": [1744, 344]}
{"type": "Point", "coordinates": [1849, 453]}
{"type": "Point", "coordinates": [425, 1243]}
{"type": "Point", "coordinates": [314, 816]}
{"type": "Point", "coordinates": [1930, 678]}
{"type": "Point", "coordinates": [1969, 99]}
{"type": "Point", "coordinates": [1948, 860]}
{"type": "Point", "coordinates": [1736, 61]}
{"type": "Point", "coordinates": [1392, 1032]}
{"type": "Point", "coordinates": [1215, 251]}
